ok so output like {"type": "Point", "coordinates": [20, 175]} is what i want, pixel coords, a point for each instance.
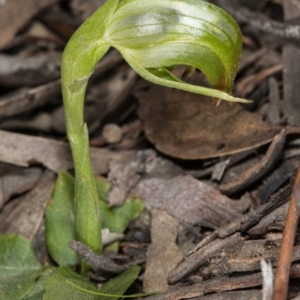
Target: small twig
{"type": "Point", "coordinates": [266, 164]}
{"type": "Point", "coordinates": [247, 221]}
{"type": "Point", "coordinates": [198, 258]}
{"type": "Point", "coordinates": [286, 250]}
{"type": "Point", "coordinates": [259, 21]}
{"type": "Point", "coordinates": [99, 263]}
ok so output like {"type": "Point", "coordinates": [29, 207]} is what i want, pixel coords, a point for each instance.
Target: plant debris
{"type": "Point", "coordinates": [216, 181]}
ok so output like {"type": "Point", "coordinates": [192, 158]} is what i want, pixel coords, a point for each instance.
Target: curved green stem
{"type": "Point", "coordinates": [79, 59]}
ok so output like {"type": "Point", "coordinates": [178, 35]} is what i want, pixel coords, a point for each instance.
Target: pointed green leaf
{"type": "Point", "coordinates": [121, 283]}
{"type": "Point", "coordinates": [38, 290]}
{"type": "Point", "coordinates": [103, 186]}
{"type": "Point", "coordinates": [117, 218]}
{"type": "Point", "coordinates": [19, 267]}
{"type": "Point", "coordinates": [60, 224]}
{"type": "Point", "coordinates": [116, 287]}
{"type": "Point", "coordinates": [62, 284]}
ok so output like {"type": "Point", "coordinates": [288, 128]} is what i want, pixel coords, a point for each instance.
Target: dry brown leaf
{"type": "Point", "coordinates": [163, 253]}
{"type": "Point", "coordinates": [189, 200]}
{"type": "Point", "coordinates": [37, 69]}
{"type": "Point", "coordinates": [26, 217]}
{"type": "Point", "coordinates": [14, 14]}
{"type": "Point", "coordinates": [15, 180]}
{"type": "Point", "coordinates": [22, 150]}
{"type": "Point", "coordinates": [188, 126]}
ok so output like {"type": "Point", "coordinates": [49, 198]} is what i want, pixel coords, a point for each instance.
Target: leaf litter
{"type": "Point", "coordinates": [192, 138]}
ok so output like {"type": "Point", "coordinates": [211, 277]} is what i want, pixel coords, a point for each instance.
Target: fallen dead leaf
{"type": "Point", "coordinates": [37, 69]}
{"type": "Point", "coordinates": [189, 200]}
{"type": "Point", "coordinates": [14, 14]}
{"type": "Point", "coordinates": [26, 217]}
{"type": "Point", "coordinates": [124, 176]}
{"type": "Point", "coordinates": [255, 173]}
{"type": "Point", "coordinates": [15, 180]}
{"type": "Point", "coordinates": [188, 126]}
{"type": "Point", "coordinates": [163, 253]}
{"type": "Point", "coordinates": [23, 150]}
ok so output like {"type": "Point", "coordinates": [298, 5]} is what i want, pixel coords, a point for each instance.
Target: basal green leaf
{"type": "Point", "coordinates": [38, 289]}
{"type": "Point", "coordinates": [103, 186]}
{"type": "Point", "coordinates": [116, 219]}
{"type": "Point", "coordinates": [121, 283]}
{"type": "Point", "coordinates": [19, 267]}
{"type": "Point", "coordinates": [60, 223]}
{"type": "Point", "coordinates": [116, 287]}
{"type": "Point", "coordinates": [63, 283]}
{"type": "Point", "coordinates": [4, 295]}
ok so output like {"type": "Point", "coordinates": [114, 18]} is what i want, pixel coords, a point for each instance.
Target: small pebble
{"type": "Point", "coordinates": [112, 133]}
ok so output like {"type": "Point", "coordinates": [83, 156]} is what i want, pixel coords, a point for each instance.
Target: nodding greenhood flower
{"type": "Point", "coordinates": [153, 37]}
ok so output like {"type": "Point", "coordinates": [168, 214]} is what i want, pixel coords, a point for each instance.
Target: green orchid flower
{"type": "Point", "coordinates": [153, 37]}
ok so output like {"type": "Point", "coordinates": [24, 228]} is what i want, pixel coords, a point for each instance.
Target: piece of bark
{"type": "Point", "coordinates": [15, 180]}
{"type": "Point", "coordinates": [258, 171]}
{"type": "Point", "coordinates": [98, 263]}
{"type": "Point", "coordinates": [247, 85]}
{"type": "Point", "coordinates": [244, 256]}
{"type": "Point", "coordinates": [233, 160]}
{"type": "Point", "coordinates": [219, 169]}
{"type": "Point", "coordinates": [163, 253]}
{"type": "Point", "coordinates": [178, 293]}
{"type": "Point", "coordinates": [221, 284]}
{"type": "Point", "coordinates": [23, 150]}
{"type": "Point", "coordinates": [159, 167]}
{"type": "Point", "coordinates": [42, 122]}
{"type": "Point", "coordinates": [188, 200]}
{"type": "Point", "coordinates": [291, 72]}
{"type": "Point", "coordinates": [200, 257]}
{"type": "Point", "coordinates": [25, 100]}
{"type": "Point", "coordinates": [26, 218]}
{"type": "Point", "coordinates": [245, 222]}
{"type": "Point", "coordinates": [275, 180]}
{"type": "Point", "coordinates": [123, 177]}
{"type": "Point", "coordinates": [274, 219]}
{"type": "Point", "coordinates": [261, 22]}
{"type": "Point", "coordinates": [15, 14]}
{"type": "Point", "coordinates": [273, 113]}
{"type": "Point", "coordinates": [29, 71]}
{"type": "Point", "coordinates": [248, 58]}
{"type": "Point", "coordinates": [234, 295]}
